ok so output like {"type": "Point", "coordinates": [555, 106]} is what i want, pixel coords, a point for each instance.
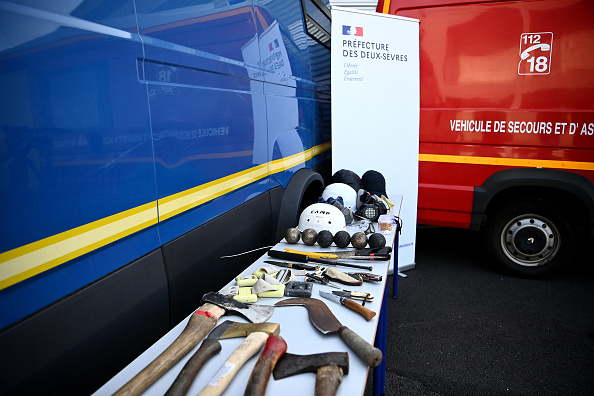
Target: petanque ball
{"type": "Point", "coordinates": [325, 238]}
{"type": "Point", "coordinates": [342, 239]}
{"type": "Point", "coordinates": [377, 240]}
{"type": "Point", "coordinates": [292, 235]}
{"type": "Point", "coordinates": [309, 236]}
{"type": "Point", "coordinates": [359, 240]}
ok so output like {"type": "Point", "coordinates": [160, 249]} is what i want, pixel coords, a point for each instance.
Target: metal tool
{"type": "Point", "coordinates": [303, 257]}
{"type": "Point", "coordinates": [323, 320]}
{"type": "Point", "coordinates": [366, 277]}
{"type": "Point", "coordinates": [367, 313]}
{"type": "Point", "coordinates": [323, 281]}
{"type": "Point", "coordinates": [296, 266]}
{"type": "Point", "coordinates": [329, 368]}
{"type": "Point", "coordinates": [355, 295]}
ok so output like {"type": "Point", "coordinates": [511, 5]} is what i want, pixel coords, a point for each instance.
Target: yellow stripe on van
{"type": "Point", "coordinates": [386, 8]}
{"type": "Point", "coordinates": [27, 261]}
{"type": "Point", "coordinates": [526, 163]}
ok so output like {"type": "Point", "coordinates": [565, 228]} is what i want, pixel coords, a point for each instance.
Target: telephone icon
{"type": "Point", "coordinates": [526, 53]}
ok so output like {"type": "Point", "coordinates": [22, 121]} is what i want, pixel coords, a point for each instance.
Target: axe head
{"type": "Point", "coordinates": [230, 329]}
{"type": "Point", "coordinates": [253, 313]}
{"type": "Point", "coordinates": [291, 364]}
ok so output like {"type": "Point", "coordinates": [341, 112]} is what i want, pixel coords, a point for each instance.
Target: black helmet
{"type": "Point", "coordinates": [348, 177]}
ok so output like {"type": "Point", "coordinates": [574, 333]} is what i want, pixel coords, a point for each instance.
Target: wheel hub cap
{"type": "Point", "coordinates": [530, 241]}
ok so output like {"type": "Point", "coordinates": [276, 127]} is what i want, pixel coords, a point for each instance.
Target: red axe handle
{"type": "Point", "coordinates": [275, 348]}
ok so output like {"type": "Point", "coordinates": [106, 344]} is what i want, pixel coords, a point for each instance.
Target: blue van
{"type": "Point", "coordinates": [141, 141]}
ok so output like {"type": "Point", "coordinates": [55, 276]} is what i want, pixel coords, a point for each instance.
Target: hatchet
{"type": "Point", "coordinates": [200, 323]}
{"type": "Point", "coordinates": [210, 347]}
{"type": "Point", "coordinates": [248, 348]}
{"type": "Point", "coordinates": [324, 320]}
{"type": "Point", "coordinates": [329, 368]}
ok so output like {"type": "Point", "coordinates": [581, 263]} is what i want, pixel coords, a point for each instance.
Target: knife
{"type": "Point", "coordinates": [350, 304]}
{"type": "Point", "coordinates": [366, 297]}
{"type": "Point", "coordinates": [296, 266]}
{"type": "Point", "coordinates": [319, 279]}
{"type": "Point", "coordinates": [303, 257]}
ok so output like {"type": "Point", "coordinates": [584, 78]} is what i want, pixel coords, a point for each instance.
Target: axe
{"type": "Point", "coordinates": [329, 368]}
{"type": "Point", "coordinates": [275, 348]}
{"type": "Point", "coordinates": [210, 347]}
{"type": "Point", "coordinates": [200, 323]}
{"type": "Point", "coordinates": [248, 348]}
{"type": "Point", "coordinates": [323, 319]}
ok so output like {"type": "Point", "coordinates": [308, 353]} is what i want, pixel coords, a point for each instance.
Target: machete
{"type": "Point", "coordinates": [324, 320]}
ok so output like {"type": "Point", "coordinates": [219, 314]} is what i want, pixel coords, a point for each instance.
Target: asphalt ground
{"type": "Point", "coordinates": [459, 326]}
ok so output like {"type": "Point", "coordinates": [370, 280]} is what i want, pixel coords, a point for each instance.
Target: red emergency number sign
{"type": "Point", "coordinates": [535, 53]}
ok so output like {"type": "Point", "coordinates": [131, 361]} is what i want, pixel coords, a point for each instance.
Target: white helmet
{"type": "Point", "coordinates": [348, 194]}
{"type": "Point", "coordinates": [322, 216]}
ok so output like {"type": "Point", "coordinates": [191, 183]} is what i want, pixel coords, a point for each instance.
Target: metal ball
{"type": "Point", "coordinates": [377, 240]}
{"type": "Point", "coordinates": [309, 236]}
{"type": "Point", "coordinates": [325, 238]}
{"type": "Point", "coordinates": [342, 239]}
{"type": "Point", "coordinates": [292, 235]}
{"type": "Point", "coordinates": [359, 240]}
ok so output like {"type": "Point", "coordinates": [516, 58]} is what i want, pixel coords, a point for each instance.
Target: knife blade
{"type": "Point", "coordinates": [366, 297]}
{"type": "Point", "coordinates": [350, 304]}
{"type": "Point", "coordinates": [296, 266]}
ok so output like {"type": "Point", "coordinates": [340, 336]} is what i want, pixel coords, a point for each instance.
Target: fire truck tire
{"type": "Point", "coordinates": [531, 238]}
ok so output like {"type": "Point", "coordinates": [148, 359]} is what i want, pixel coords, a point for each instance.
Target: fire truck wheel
{"type": "Point", "coordinates": [531, 238]}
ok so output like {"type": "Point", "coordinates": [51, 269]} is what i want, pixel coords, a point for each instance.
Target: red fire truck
{"type": "Point", "coordinates": [507, 124]}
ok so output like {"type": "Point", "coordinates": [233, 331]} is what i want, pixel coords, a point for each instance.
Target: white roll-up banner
{"type": "Point", "coordinates": [375, 107]}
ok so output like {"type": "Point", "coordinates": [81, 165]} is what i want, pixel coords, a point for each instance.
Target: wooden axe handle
{"type": "Point", "coordinates": [200, 323]}
{"type": "Point", "coordinates": [275, 348]}
{"type": "Point", "coordinates": [248, 348]}
{"type": "Point", "coordinates": [328, 379]}
{"type": "Point", "coordinates": [180, 386]}
{"type": "Point", "coordinates": [371, 355]}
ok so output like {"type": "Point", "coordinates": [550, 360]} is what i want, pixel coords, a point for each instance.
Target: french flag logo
{"type": "Point", "coordinates": [272, 45]}
{"type": "Point", "coordinates": [352, 31]}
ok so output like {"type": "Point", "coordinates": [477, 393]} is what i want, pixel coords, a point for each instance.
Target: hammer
{"type": "Point", "coordinates": [329, 368]}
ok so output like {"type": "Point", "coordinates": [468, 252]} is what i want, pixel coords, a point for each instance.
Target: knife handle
{"type": "Point", "coordinates": [360, 309]}
{"type": "Point", "coordinates": [208, 349]}
{"type": "Point", "coordinates": [275, 348]}
{"type": "Point", "coordinates": [288, 256]}
{"type": "Point", "coordinates": [248, 348]}
{"type": "Point", "coordinates": [371, 355]}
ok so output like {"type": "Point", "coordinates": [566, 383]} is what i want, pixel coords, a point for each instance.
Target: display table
{"type": "Point", "coordinates": [299, 333]}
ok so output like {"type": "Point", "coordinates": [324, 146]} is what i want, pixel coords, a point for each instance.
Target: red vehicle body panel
{"type": "Point", "coordinates": [504, 85]}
